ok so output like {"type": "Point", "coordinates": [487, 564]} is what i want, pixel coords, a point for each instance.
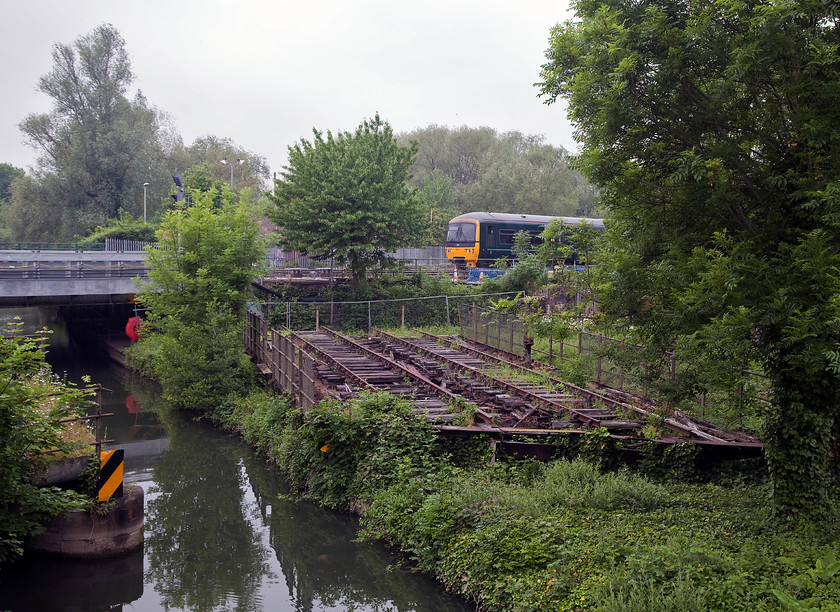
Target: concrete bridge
{"type": "Point", "coordinates": [33, 277]}
{"type": "Point", "coordinates": [46, 278]}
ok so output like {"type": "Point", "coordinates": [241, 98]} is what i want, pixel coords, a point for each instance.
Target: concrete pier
{"type": "Point", "coordinates": [89, 535]}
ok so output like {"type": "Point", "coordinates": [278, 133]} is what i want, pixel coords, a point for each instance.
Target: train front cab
{"type": "Point", "coordinates": [462, 242]}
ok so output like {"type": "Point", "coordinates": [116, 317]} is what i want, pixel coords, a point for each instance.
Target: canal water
{"type": "Point", "coordinates": [218, 535]}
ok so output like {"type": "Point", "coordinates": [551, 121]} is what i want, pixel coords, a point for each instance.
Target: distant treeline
{"type": "Point", "coordinates": [466, 169]}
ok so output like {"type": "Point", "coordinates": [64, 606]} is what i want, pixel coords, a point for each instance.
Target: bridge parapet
{"type": "Point", "coordinates": [65, 277]}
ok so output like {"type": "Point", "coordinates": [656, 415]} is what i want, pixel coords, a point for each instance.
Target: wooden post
{"type": "Point", "coordinates": [317, 313]}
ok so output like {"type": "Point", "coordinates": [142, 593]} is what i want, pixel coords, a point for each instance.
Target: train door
{"type": "Point", "coordinates": [487, 255]}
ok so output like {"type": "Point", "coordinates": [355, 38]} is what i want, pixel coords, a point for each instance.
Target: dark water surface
{"type": "Point", "coordinates": [217, 535]}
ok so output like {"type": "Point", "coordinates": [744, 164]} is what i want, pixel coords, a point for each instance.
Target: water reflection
{"type": "Point", "coordinates": [218, 537]}
{"type": "Point", "coordinates": [45, 584]}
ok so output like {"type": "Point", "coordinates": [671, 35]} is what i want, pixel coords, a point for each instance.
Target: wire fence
{"type": "Point", "coordinates": [428, 311]}
{"type": "Point", "coordinates": [594, 351]}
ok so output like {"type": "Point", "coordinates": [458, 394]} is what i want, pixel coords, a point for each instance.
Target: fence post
{"type": "Point", "coordinates": [512, 330]}
{"type": "Point", "coordinates": [447, 311]}
{"type": "Point", "coordinates": [475, 322]}
{"type": "Point", "coordinates": [621, 371]}
{"type": "Point", "coordinates": [598, 368]}
{"type": "Point", "coordinates": [369, 325]}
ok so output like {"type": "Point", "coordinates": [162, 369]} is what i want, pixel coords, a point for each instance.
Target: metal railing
{"type": "Point", "coordinates": [53, 270]}
{"type": "Point", "coordinates": [286, 366]}
{"type": "Point", "coordinates": [51, 246]}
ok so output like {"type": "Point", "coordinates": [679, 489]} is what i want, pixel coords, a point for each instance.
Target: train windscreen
{"type": "Point", "coordinates": [461, 234]}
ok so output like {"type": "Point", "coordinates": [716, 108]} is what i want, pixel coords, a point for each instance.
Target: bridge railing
{"type": "Point", "coordinates": [54, 270]}
{"type": "Point", "coordinates": [51, 246]}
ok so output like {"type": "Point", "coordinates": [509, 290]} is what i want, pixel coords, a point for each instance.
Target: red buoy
{"type": "Point", "coordinates": [132, 327]}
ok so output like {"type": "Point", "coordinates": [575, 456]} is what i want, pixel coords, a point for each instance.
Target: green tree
{"type": "Point", "coordinates": [346, 196]}
{"type": "Point", "coordinates": [125, 226]}
{"type": "Point", "coordinates": [32, 402]}
{"type": "Point", "coordinates": [8, 174]}
{"type": "Point", "coordinates": [437, 196]}
{"type": "Point", "coordinates": [713, 133]}
{"type": "Point", "coordinates": [508, 172]}
{"type": "Point", "coordinates": [97, 147]}
{"type": "Point", "coordinates": [208, 151]}
{"type": "Point", "coordinates": [199, 280]}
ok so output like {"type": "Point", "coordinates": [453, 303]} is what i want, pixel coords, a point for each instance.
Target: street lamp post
{"type": "Point", "coordinates": [238, 162]}
{"type": "Point", "coordinates": [144, 201]}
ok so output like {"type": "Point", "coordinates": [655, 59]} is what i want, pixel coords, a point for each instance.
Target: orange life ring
{"type": "Point", "coordinates": [132, 327]}
{"type": "Point", "coordinates": [131, 404]}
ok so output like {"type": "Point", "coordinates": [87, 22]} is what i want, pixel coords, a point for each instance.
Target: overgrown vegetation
{"type": "Point", "coordinates": [199, 280]}
{"type": "Point", "coordinates": [721, 239]}
{"type": "Point", "coordinates": [33, 402]}
{"type": "Point", "coordinates": [568, 535]}
{"type": "Point", "coordinates": [126, 227]}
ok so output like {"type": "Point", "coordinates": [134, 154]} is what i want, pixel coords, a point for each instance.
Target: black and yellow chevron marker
{"type": "Point", "coordinates": [110, 474]}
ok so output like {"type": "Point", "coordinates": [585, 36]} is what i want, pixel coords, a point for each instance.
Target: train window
{"type": "Point", "coordinates": [506, 236]}
{"type": "Point", "coordinates": [491, 235]}
{"type": "Point", "coordinates": [460, 232]}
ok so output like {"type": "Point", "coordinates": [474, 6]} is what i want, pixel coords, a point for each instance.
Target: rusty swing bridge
{"type": "Point", "coordinates": [440, 375]}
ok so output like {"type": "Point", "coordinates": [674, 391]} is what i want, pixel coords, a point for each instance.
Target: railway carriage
{"type": "Point", "coordinates": [477, 239]}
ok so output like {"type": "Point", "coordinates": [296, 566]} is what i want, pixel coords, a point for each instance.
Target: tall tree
{"type": "Point", "coordinates": [346, 196]}
{"type": "Point", "coordinates": [199, 280]}
{"type": "Point", "coordinates": [713, 132]}
{"type": "Point", "coordinates": [96, 146]}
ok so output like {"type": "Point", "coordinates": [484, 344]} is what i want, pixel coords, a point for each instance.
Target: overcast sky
{"type": "Point", "coordinates": [265, 72]}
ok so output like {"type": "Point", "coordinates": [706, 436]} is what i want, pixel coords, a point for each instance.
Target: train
{"type": "Point", "coordinates": [478, 239]}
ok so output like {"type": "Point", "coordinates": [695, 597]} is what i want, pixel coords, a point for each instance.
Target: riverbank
{"type": "Point", "coordinates": [526, 536]}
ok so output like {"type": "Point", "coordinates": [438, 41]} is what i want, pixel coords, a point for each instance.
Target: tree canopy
{"type": "Point", "coordinates": [97, 147]}
{"type": "Point", "coordinates": [201, 167]}
{"type": "Point", "coordinates": [485, 170]}
{"type": "Point", "coordinates": [199, 280]}
{"type": "Point", "coordinates": [712, 131]}
{"type": "Point", "coordinates": [8, 174]}
{"type": "Point", "coordinates": [346, 196]}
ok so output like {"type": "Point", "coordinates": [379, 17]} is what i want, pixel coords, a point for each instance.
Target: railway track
{"type": "Point", "coordinates": [619, 402]}
{"type": "Point", "coordinates": [440, 375]}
